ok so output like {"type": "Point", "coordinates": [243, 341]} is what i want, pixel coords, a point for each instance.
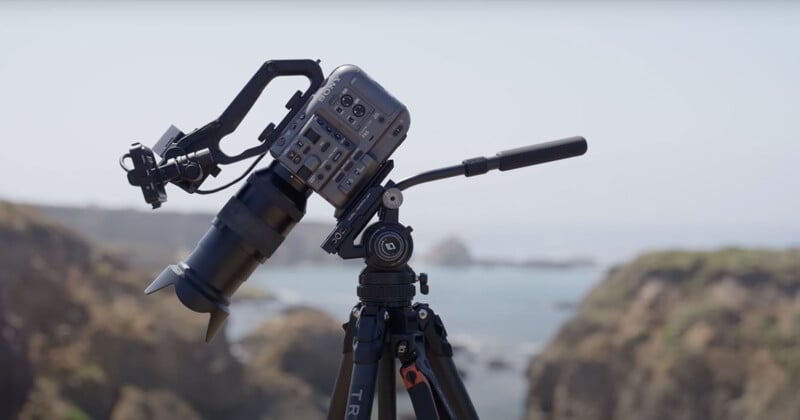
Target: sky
{"type": "Point", "coordinates": [690, 110]}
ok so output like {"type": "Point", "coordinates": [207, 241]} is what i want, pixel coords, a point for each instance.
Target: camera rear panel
{"type": "Point", "coordinates": [349, 127]}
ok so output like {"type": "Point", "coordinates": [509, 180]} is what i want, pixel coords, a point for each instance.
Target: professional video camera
{"type": "Point", "coordinates": [335, 140]}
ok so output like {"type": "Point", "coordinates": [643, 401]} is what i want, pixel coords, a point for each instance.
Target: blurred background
{"type": "Point", "coordinates": [654, 277]}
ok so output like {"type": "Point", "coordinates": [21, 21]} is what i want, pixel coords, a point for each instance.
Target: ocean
{"type": "Point", "coordinates": [497, 317]}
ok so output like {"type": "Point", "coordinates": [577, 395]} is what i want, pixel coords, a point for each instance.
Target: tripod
{"type": "Point", "coordinates": [385, 325]}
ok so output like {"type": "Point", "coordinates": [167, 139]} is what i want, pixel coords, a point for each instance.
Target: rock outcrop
{"type": "Point", "coordinates": [679, 336]}
{"type": "Point", "coordinates": [449, 252]}
{"type": "Point", "coordinates": [78, 340]}
{"type": "Point", "coordinates": [301, 347]}
{"type": "Point", "coordinates": [453, 252]}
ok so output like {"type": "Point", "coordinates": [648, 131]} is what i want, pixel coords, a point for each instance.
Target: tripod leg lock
{"type": "Point", "coordinates": [420, 391]}
{"type": "Point", "coordinates": [434, 332]}
{"type": "Point", "coordinates": [412, 376]}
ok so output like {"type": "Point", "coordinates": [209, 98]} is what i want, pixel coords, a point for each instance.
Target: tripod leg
{"type": "Point", "coordinates": [387, 398]}
{"type": "Point", "coordinates": [453, 387]}
{"type": "Point", "coordinates": [367, 351]}
{"type": "Point", "coordinates": [338, 404]}
{"type": "Point", "coordinates": [440, 356]}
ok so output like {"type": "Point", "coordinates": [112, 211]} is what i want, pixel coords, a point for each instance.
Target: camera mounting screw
{"type": "Point", "coordinates": [423, 314]}
{"type": "Point", "coordinates": [392, 198]}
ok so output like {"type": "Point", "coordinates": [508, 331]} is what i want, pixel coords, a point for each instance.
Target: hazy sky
{"type": "Point", "coordinates": [691, 111]}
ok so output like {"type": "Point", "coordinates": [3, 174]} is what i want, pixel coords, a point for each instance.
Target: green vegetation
{"type": "Point", "coordinates": [699, 268]}
{"type": "Point", "coordinates": [783, 343]}
{"type": "Point", "coordinates": [75, 413]}
{"type": "Point", "coordinates": [683, 317]}
{"type": "Point", "coordinates": [694, 270]}
{"type": "Point", "coordinates": [252, 292]}
{"type": "Point", "coordinates": [88, 372]}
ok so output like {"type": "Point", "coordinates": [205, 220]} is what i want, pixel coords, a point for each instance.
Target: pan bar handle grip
{"type": "Point", "coordinates": [541, 153]}
{"type": "Point", "coordinates": [504, 161]}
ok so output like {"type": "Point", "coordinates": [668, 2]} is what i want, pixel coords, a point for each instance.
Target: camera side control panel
{"type": "Point", "coordinates": [348, 128]}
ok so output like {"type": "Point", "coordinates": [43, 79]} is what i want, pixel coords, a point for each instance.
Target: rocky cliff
{"type": "Point", "coordinates": [679, 336]}
{"type": "Point", "coordinates": [79, 341]}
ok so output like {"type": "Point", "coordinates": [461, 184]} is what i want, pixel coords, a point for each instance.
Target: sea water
{"type": "Point", "coordinates": [498, 318]}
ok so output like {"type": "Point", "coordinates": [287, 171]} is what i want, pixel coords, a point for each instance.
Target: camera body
{"type": "Point", "coordinates": [341, 136]}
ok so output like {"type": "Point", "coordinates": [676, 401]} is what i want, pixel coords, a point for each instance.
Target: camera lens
{"type": "Point", "coordinates": [359, 110]}
{"type": "Point", "coordinates": [346, 101]}
{"type": "Point", "coordinates": [244, 234]}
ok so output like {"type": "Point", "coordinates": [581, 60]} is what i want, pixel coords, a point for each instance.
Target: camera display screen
{"type": "Point", "coordinates": [348, 128]}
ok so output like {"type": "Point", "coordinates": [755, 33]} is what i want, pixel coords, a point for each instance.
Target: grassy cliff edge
{"type": "Point", "coordinates": [679, 335]}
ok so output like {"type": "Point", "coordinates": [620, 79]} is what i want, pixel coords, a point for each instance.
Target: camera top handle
{"type": "Point", "coordinates": [209, 136]}
{"type": "Point", "coordinates": [244, 101]}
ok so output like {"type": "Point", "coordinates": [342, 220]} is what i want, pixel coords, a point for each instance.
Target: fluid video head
{"type": "Point", "coordinates": [335, 139]}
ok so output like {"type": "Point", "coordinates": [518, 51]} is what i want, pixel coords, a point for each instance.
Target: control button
{"type": "Point", "coordinates": [348, 166]}
{"type": "Point", "coordinates": [351, 120]}
{"type": "Point", "coordinates": [312, 162]}
{"type": "Point", "coordinates": [337, 136]}
{"type": "Point", "coordinates": [328, 128]}
{"type": "Point", "coordinates": [359, 170]}
{"type": "Point", "coordinates": [320, 121]}
{"type": "Point", "coordinates": [302, 116]}
{"type": "Point", "coordinates": [397, 130]}
{"type": "Point", "coordinates": [291, 154]}
{"type": "Point", "coordinates": [359, 110]}
{"type": "Point", "coordinates": [325, 146]}
{"type": "Point", "coordinates": [347, 185]}
{"type": "Point", "coordinates": [312, 136]}
{"type": "Point", "coordinates": [347, 144]}
{"type": "Point", "coordinates": [304, 173]}
{"type": "Point", "coordinates": [339, 110]}
{"type": "Point", "coordinates": [346, 101]}
{"type": "Point", "coordinates": [328, 167]}
{"type": "Point", "coordinates": [336, 156]}
{"type": "Point", "coordinates": [339, 177]}
{"type": "Point", "coordinates": [293, 126]}
{"type": "Point", "coordinates": [300, 143]}
{"type": "Point", "coordinates": [296, 159]}
{"type": "Point", "coordinates": [306, 150]}
{"type": "Point", "coordinates": [358, 155]}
